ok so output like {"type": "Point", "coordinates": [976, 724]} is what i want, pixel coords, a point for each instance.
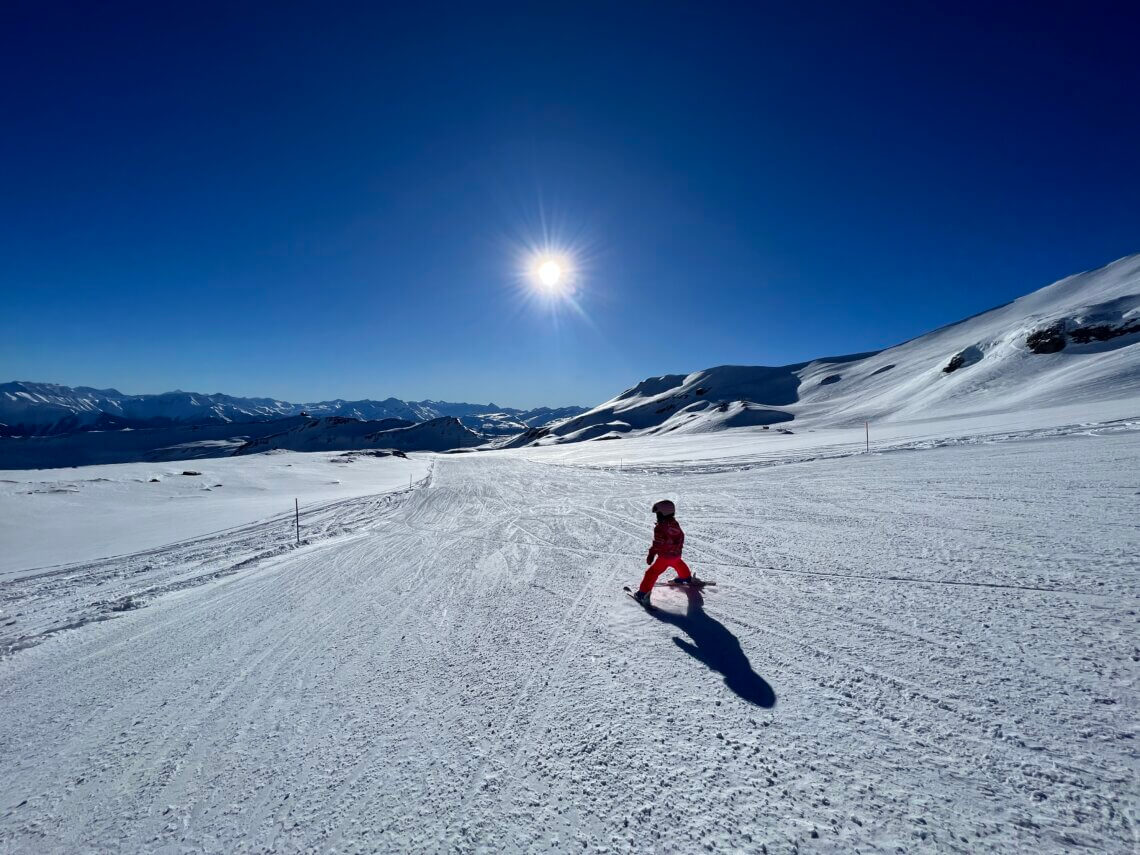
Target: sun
{"type": "Point", "coordinates": [551, 275]}
{"type": "Point", "coordinates": [550, 272]}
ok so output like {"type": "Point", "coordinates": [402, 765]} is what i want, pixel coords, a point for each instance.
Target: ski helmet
{"type": "Point", "coordinates": [665, 507]}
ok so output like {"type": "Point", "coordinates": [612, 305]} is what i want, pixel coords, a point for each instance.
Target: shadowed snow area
{"type": "Point", "coordinates": [926, 649]}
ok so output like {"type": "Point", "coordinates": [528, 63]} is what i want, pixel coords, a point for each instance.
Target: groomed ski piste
{"type": "Point", "coordinates": [928, 647]}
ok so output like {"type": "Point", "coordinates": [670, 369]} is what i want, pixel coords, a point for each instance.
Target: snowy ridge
{"type": "Point", "coordinates": [35, 409]}
{"type": "Point", "coordinates": [196, 442]}
{"type": "Point", "coordinates": [1071, 341]}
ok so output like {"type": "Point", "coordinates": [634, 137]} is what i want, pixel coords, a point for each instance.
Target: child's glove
{"type": "Point", "coordinates": [649, 558]}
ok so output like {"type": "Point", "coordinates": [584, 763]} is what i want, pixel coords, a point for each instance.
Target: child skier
{"type": "Point", "coordinates": [668, 541]}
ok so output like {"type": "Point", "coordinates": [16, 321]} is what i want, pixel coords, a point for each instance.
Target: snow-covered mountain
{"type": "Point", "coordinates": [46, 409]}
{"type": "Point", "coordinates": [1075, 340]}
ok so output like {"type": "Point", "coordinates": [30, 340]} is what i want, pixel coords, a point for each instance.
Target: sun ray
{"type": "Point", "coordinates": [553, 263]}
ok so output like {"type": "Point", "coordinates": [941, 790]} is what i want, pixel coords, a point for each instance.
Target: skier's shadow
{"type": "Point", "coordinates": [718, 649]}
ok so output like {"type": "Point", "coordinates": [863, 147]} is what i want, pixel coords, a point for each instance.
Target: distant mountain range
{"type": "Point", "coordinates": [193, 442]}
{"type": "Point", "coordinates": [46, 409]}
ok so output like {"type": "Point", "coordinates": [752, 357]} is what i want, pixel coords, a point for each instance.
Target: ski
{"type": "Point", "coordinates": [629, 593]}
{"type": "Point", "coordinates": [701, 583]}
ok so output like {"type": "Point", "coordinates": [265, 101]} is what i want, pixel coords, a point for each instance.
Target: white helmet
{"type": "Point", "coordinates": [665, 508]}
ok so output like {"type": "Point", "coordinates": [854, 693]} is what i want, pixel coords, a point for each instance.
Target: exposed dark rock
{"type": "Point", "coordinates": [1048, 340]}
{"type": "Point", "coordinates": [190, 472]}
{"type": "Point", "coordinates": [1056, 337]}
{"type": "Point", "coordinates": [353, 456]}
{"type": "Point", "coordinates": [963, 358]}
{"type": "Point", "coordinates": [1102, 332]}
{"type": "Point", "coordinates": [830, 378]}
{"type": "Point", "coordinates": [881, 370]}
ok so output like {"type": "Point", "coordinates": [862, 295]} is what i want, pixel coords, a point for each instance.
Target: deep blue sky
{"type": "Point", "coordinates": [322, 200]}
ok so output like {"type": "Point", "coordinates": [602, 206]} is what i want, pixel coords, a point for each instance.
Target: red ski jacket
{"type": "Point", "coordinates": [668, 539]}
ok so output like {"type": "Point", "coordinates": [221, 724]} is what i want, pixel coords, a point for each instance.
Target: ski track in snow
{"type": "Point", "coordinates": [905, 652]}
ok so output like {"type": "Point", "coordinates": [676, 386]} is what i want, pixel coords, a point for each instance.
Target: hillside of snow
{"type": "Point", "coordinates": [70, 515]}
{"type": "Point", "coordinates": [1072, 341]}
{"type": "Point", "coordinates": [927, 648]}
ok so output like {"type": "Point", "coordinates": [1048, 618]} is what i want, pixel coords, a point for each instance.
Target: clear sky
{"type": "Point", "coordinates": [325, 199]}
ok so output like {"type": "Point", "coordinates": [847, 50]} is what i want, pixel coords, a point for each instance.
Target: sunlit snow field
{"type": "Point", "coordinates": [931, 647]}
{"type": "Point", "coordinates": [56, 516]}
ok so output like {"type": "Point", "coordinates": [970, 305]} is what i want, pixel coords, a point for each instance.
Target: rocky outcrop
{"type": "Point", "coordinates": [1055, 337]}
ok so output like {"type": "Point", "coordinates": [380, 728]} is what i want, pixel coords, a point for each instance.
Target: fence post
{"type": "Point", "coordinates": [867, 427]}
{"type": "Point", "coordinates": [297, 511]}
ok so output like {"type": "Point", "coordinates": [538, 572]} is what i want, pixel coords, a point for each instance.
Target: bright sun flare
{"type": "Point", "coordinates": [550, 275]}
{"type": "Point", "coordinates": [550, 272]}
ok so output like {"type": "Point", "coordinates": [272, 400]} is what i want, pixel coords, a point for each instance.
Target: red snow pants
{"type": "Point", "coordinates": [659, 566]}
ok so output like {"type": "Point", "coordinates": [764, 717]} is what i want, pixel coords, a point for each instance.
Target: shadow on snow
{"type": "Point", "coordinates": [716, 647]}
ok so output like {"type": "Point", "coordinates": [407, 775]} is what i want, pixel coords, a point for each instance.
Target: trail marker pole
{"type": "Point", "coordinates": [867, 427]}
{"type": "Point", "coordinates": [297, 512]}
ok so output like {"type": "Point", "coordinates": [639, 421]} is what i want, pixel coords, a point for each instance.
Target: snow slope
{"type": "Point", "coordinates": [62, 516]}
{"type": "Point", "coordinates": [922, 650]}
{"type": "Point", "coordinates": [983, 364]}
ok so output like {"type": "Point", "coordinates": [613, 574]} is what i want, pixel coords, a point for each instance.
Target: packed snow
{"type": "Point", "coordinates": [931, 647]}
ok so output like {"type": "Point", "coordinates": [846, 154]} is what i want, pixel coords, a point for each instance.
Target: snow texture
{"type": "Point", "coordinates": [931, 647]}
{"type": "Point", "coordinates": [54, 517]}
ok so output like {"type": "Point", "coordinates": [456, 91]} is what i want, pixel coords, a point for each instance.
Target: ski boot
{"type": "Point", "coordinates": [688, 580]}
{"type": "Point", "coordinates": [642, 598]}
